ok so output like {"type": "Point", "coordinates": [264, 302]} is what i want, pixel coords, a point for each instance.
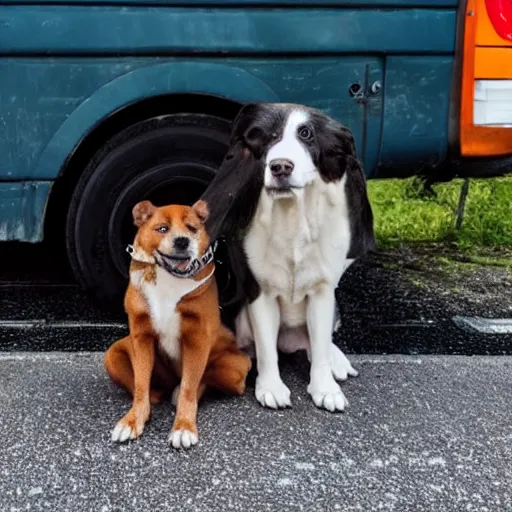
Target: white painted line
{"type": "Point", "coordinates": [38, 324]}
{"type": "Point", "coordinates": [47, 356]}
{"type": "Point", "coordinates": [484, 325]}
{"type": "Point", "coordinates": [39, 284]}
{"type": "Point", "coordinates": [358, 358]}
{"type": "Point", "coordinates": [412, 323]}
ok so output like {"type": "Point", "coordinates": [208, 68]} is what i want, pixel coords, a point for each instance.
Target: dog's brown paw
{"type": "Point", "coordinates": [129, 427]}
{"type": "Point", "coordinates": [240, 380]}
{"type": "Point", "coordinates": [239, 384]}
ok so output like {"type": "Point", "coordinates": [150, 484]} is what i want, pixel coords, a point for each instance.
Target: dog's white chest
{"type": "Point", "coordinates": [294, 246]}
{"type": "Point", "coordinates": [163, 296]}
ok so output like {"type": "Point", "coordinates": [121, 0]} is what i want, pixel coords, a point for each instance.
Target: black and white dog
{"type": "Point", "coordinates": [290, 197]}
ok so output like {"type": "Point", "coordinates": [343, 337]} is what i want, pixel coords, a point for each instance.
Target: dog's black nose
{"type": "Point", "coordinates": [281, 168]}
{"type": "Point", "coordinates": [181, 243]}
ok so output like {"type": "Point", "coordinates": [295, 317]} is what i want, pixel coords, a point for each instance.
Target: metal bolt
{"type": "Point", "coordinates": [354, 89]}
{"type": "Point", "coordinates": [376, 87]}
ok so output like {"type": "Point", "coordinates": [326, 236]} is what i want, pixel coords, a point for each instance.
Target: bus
{"type": "Point", "coordinates": [107, 102]}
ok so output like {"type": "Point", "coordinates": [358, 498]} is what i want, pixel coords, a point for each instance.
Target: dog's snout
{"type": "Point", "coordinates": [281, 167]}
{"type": "Point", "coordinates": [181, 243]}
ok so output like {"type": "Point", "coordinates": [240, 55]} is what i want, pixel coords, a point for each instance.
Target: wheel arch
{"type": "Point", "coordinates": [201, 88]}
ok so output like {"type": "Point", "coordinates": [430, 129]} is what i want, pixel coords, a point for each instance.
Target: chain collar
{"type": "Point", "coordinates": [165, 262]}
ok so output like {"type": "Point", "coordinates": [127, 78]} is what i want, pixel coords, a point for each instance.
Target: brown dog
{"type": "Point", "coordinates": [174, 321]}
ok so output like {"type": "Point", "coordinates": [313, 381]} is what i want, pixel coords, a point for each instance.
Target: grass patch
{"type": "Point", "coordinates": [405, 215]}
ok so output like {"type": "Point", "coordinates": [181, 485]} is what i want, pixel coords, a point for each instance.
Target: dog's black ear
{"type": "Point", "coordinates": [233, 194]}
{"type": "Point", "coordinates": [251, 127]}
{"type": "Point", "coordinates": [362, 236]}
{"type": "Point", "coordinates": [339, 158]}
{"type": "Point", "coordinates": [337, 150]}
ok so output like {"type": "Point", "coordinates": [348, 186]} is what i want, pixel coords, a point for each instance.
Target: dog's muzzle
{"type": "Point", "coordinates": [170, 264]}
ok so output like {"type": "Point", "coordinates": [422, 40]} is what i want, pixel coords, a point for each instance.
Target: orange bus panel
{"type": "Point", "coordinates": [493, 63]}
{"type": "Point", "coordinates": [479, 140]}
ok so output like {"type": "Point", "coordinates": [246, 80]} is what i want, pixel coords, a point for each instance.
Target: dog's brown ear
{"type": "Point", "coordinates": [142, 212]}
{"type": "Point", "coordinates": [200, 208]}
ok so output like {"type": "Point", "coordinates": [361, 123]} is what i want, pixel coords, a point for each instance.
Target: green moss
{"type": "Point", "coordinates": [418, 283]}
{"type": "Point", "coordinates": [490, 261]}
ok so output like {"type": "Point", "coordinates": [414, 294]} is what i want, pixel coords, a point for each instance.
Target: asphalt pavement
{"type": "Point", "coordinates": [429, 433]}
{"type": "Point", "coordinates": [383, 308]}
{"type": "Point", "coordinates": [427, 430]}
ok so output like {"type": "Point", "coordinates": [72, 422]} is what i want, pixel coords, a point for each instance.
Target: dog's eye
{"type": "Point", "coordinates": [162, 229]}
{"type": "Point", "coordinates": [191, 228]}
{"type": "Point", "coordinates": [255, 133]}
{"type": "Point", "coordinates": [305, 133]}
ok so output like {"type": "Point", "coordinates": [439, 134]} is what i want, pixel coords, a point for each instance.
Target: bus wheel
{"type": "Point", "coordinates": [169, 159]}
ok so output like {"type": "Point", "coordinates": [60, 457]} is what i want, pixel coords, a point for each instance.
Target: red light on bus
{"type": "Point", "coordinates": [500, 14]}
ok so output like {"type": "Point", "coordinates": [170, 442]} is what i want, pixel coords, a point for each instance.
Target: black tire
{"type": "Point", "coordinates": [167, 160]}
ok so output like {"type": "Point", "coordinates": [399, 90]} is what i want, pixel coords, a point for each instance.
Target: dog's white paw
{"type": "Point", "coordinates": [340, 365]}
{"type": "Point", "coordinates": [327, 394]}
{"type": "Point", "coordinates": [183, 439]}
{"type": "Point", "coordinates": [272, 392]}
{"type": "Point", "coordinates": [124, 431]}
{"type": "Point", "coordinates": [275, 399]}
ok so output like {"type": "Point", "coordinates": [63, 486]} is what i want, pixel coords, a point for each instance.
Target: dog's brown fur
{"type": "Point", "coordinates": [207, 355]}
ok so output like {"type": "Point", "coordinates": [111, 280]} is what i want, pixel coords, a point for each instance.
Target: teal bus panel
{"type": "Point", "coordinates": [416, 110]}
{"type": "Point", "coordinates": [262, 3]}
{"type": "Point", "coordinates": [128, 30]}
{"type": "Point", "coordinates": [22, 207]}
{"type": "Point", "coordinates": [49, 105]}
